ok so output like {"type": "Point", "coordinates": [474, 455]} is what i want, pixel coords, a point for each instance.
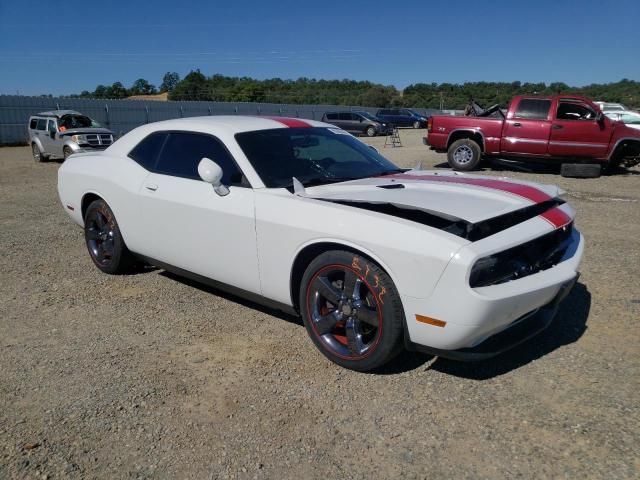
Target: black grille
{"type": "Point", "coordinates": [99, 139]}
{"type": "Point", "coordinates": [531, 257]}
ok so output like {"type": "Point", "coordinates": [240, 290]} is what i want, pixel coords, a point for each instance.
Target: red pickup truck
{"type": "Point", "coordinates": [566, 129]}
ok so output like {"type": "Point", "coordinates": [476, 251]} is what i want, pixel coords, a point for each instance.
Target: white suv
{"type": "Point", "coordinates": [59, 133]}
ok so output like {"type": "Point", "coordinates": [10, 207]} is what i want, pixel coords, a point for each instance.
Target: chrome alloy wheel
{"type": "Point", "coordinates": [345, 314]}
{"type": "Point", "coordinates": [463, 155]}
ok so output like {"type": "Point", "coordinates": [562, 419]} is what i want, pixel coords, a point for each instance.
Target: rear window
{"type": "Point", "coordinates": [33, 123]}
{"type": "Point", "coordinates": [146, 152]}
{"type": "Point", "coordinates": [537, 109]}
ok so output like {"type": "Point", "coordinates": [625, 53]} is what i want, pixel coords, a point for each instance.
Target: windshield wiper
{"type": "Point", "coordinates": [392, 172]}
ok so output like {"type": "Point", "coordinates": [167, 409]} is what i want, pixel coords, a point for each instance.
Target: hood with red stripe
{"type": "Point", "coordinates": [452, 195]}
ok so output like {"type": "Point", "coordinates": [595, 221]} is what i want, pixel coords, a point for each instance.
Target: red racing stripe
{"type": "Point", "coordinates": [556, 217]}
{"type": "Point", "coordinates": [290, 122]}
{"type": "Point", "coordinates": [524, 191]}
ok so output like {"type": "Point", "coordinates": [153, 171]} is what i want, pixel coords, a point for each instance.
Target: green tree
{"type": "Point", "coordinates": [169, 82]}
{"type": "Point", "coordinates": [193, 87]}
{"type": "Point", "coordinates": [142, 87]}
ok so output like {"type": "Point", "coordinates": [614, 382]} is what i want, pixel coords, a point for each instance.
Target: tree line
{"type": "Point", "coordinates": [196, 86]}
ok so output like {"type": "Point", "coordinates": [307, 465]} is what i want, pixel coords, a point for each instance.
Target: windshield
{"type": "Point", "coordinates": [630, 118]}
{"type": "Point", "coordinates": [68, 122]}
{"type": "Point", "coordinates": [369, 116]}
{"type": "Point", "coordinates": [315, 156]}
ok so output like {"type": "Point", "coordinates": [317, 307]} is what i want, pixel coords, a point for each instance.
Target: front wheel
{"type": "Point", "coordinates": [37, 154]}
{"type": "Point", "coordinates": [351, 310]}
{"type": "Point", "coordinates": [416, 124]}
{"type": "Point", "coordinates": [104, 240]}
{"type": "Point", "coordinates": [370, 131]}
{"type": "Point", "coordinates": [464, 155]}
{"type": "Point", "coordinates": [66, 152]}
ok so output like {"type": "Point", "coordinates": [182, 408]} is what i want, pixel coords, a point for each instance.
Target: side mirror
{"type": "Point", "coordinates": [600, 117]}
{"type": "Point", "coordinates": [373, 148]}
{"type": "Point", "coordinates": [211, 172]}
{"type": "Point", "coordinates": [361, 119]}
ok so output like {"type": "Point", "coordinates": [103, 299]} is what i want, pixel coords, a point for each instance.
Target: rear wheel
{"type": "Point", "coordinates": [464, 154]}
{"type": "Point", "coordinates": [104, 240]}
{"type": "Point", "coordinates": [351, 310]}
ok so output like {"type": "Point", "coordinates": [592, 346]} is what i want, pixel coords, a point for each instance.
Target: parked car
{"type": "Point", "coordinates": [305, 217]}
{"type": "Point", "coordinates": [629, 118]}
{"type": "Point", "coordinates": [357, 122]}
{"type": "Point", "coordinates": [610, 107]}
{"type": "Point", "coordinates": [402, 117]}
{"type": "Point", "coordinates": [59, 133]}
{"type": "Point", "coordinates": [558, 129]}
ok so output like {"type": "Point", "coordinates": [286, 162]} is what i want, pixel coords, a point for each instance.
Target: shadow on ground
{"type": "Point", "coordinates": [568, 326]}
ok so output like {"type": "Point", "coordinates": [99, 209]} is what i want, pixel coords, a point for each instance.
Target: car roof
{"type": "Point", "coordinates": [214, 124]}
{"type": "Point", "coordinates": [58, 113]}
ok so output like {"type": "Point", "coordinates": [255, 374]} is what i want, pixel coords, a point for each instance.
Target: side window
{"type": "Point", "coordinates": [384, 112]}
{"type": "Point", "coordinates": [33, 123]}
{"type": "Point", "coordinates": [146, 152]}
{"type": "Point", "coordinates": [344, 116]}
{"type": "Point", "coordinates": [51, 126]}
{"type": "Point", "coordinates": [574, 111]}
{"type": "Point", "coordinates": [42, 124]}
{"type": "Point", "coordinates": [332, 116]}
{"type": "Point", "coordinates": [533, 109]}
{"type": "Point", "coordinates": [183, 151]}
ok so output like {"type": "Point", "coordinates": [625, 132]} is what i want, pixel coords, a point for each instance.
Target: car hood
{"type": "Point", "coordinates": [85, 131]}
{"type": "Point", "coordinates": [472, 198]}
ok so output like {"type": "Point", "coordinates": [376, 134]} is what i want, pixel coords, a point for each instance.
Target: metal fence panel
{"type": "Point", "coordinates": [124, 115]}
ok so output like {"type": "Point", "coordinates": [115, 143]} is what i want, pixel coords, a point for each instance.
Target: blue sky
{"type": "Point", "coordinates": [66, 47]}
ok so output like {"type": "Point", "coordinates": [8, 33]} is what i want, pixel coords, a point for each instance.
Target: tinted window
{"type": "Point", "coordinates": [146, 152]}
{"type": "Point", "coordinates": [183, 151]}
{"type": "Point", "coordinates": [33, 123]}
{"type": "Point", "coordinates": [575, 111]}
{"type": "Point", "coordinates": [332, 116]}
{"type": "Point", "coordinates": [51, 126]}
{"type": "Point", "coordinates": [345, 116]}
{"type": "Point", "coordinates": [42, 124]}
{"type": "Point", "coordinates": [533, 108]}
{"type": "Point", "coordinates": [384, 112]}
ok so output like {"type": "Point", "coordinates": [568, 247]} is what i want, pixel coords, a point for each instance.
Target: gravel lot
{"type": "Point", "coordinates": [152, 376]}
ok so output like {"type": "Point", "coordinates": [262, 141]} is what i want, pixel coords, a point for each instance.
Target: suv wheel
{"type": "Point", "coordinates": [67, 151]}
{"type": "Point", "coordinates": [37, 154]}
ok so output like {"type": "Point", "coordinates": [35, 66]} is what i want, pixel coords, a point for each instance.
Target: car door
{"type": "Point", "coordinates": [190, 226]}
{"type": "Point", "coordinates": [346, 121]}
{"type": "Point", "coordinates": [527, 129]}
{"type": "Point", "coordinates": [576, 133]}
{"type": "Point", "coordinates": [48, 143]}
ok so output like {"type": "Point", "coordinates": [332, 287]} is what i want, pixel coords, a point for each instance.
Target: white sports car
{"type": "Point", "coordinates": [303, 216]}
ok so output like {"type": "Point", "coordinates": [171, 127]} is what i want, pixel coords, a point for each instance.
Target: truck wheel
{"type": "Point", "coordinates": [464, 155]}
{"type": "Point", "coordinates": [581, 170]}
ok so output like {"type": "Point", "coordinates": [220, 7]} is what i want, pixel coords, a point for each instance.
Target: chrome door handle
{"type": "Point", "coordinates": [151, 186]}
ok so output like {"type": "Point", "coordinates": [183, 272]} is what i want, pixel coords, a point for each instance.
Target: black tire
{"type": "Point", "coordinates": [351, 310]}
{"type": "Point", "coordinates": [104, 240]}
{"type": "Point", "coordinates": [464, 155]}
{"type": "Point", "coordinates": [416, 124]}
{"type": "Point", "coordinates": [370, 131]}
{"type": "Point", "coordinates": [66, 151]}
{"type": "Point", "coordinates": [581, 170]}
{"type": "Point", "coordinates": [37, 154]}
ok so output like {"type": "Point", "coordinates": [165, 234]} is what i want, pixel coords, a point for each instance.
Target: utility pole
{"type": "Point", "coordinates": [441, 101]}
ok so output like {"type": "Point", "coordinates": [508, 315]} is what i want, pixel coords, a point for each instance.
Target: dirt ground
{"type": "Point", "coordinates": [153, 376]}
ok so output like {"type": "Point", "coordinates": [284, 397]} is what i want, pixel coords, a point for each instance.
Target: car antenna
{"type": "Point", "coordinates": [298, 188]}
